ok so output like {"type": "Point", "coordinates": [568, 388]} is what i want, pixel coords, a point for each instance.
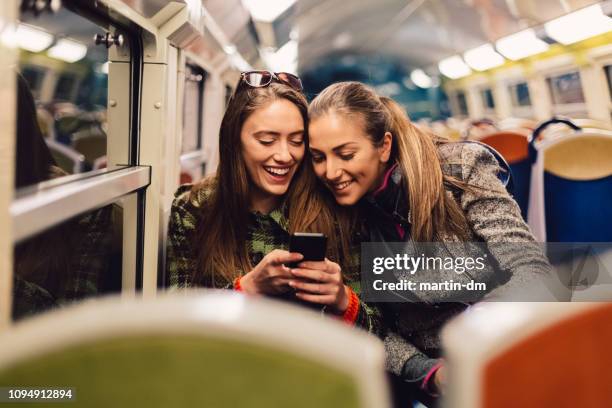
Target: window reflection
{"type": "Point", "coordinates": [75, 260]}
{"type": "Point", "coordinates": [67, 76]}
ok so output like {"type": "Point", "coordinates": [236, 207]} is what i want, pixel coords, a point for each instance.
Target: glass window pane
{"type": "Point", "coordinates": [566, 88]}
{"type": "Point", "coordinates": [608, 70]}
{"type": "Point", "coordinates": [62, 97]}
{"type": "Point", "coordinates": [228, 94]}
{"type": "Point", "coordinates": [520, 94]}
{"type": "Point", "coordinates": [462, 102]}
{"type": "Point", "coordinates": [195, 78]}
{"type": "Point", "coordinates": [487, 98]}
{"type": "Point", "coordinates": [77, 259]}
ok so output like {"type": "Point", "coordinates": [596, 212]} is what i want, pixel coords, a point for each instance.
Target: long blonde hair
{"type": "Point", "coordinates": [434, 213]}
{"type": "Point", "coordinates": [222, 229]}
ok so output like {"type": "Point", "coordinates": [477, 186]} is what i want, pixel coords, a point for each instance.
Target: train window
{"type": "Point", "coordinates": [68, 241]}
{"type": "Point", "coordinates": [487, 99]}
{"type": "Point", "coordinates": [195, 79]}
{"type": "Point", "coordinates": [228, 94]}
{"type": "Point", "coordinates": [608, 70]}
{"type": "Point", "coordinates": [566, 88]}
{"type": "Point", "coordinates": [63, 129]}
{"type": "Point", "coordinates": [34, 77]}
{"type": "Point", "coordinates": [462, 103]}
{"type": "Point", "coordinates": [77, 259]}
{"type": "Point", "coordinates": [65, 87]}
{"type": "Point", "coordinates": [520, 95]}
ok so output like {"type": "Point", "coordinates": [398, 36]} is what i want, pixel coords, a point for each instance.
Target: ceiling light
{"type": "Point", "coordinates": [421, 79]}
{"type": "Point", "coordinates": [68, 50]}
{"type": "Point", "coordinates": [483, 58]}
{"type": "Point", "coordinates": [454, 67]}
{"type": "Point", "coordinates": [579, 25]}
{"type": "Point", "coordinates": [520, 45]}
{"type": "Point", "coordinates": [8, 36]}
{"type": "Point", "coordinates": [33, 39]}
{"type": "Point", "coordinates": [267, 10]}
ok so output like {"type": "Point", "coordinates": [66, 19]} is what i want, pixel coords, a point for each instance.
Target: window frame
{"type": "Point", "coordinates": [35, 209]}
{"type": "Point", "coordinates": [575, 108]}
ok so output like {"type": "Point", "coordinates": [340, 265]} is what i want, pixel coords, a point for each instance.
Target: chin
{"type": "Point", "coordinates": [277, 190]}
{"type": "Point", "coordinates": [346, 200]}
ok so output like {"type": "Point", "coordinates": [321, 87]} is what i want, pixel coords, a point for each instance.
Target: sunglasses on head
{"type": "Point", "coordinates": [260, 79]}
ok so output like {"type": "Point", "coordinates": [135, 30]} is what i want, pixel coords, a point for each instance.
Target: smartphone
{"type": "Point", "coordinates": [312, 245]}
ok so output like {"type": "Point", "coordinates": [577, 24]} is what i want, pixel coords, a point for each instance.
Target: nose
{"type": "Point", "coordinates": [282, 155]}
{"type": "Point", "coordinates": [332, 170]}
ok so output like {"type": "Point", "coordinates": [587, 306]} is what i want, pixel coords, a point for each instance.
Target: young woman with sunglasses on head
{"type": "Point", "coordinates": [411, 186]}
{"type": "Point", "coordinates": [232, 230]}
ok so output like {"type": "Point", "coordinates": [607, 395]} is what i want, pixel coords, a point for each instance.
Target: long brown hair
{"type": "Point", "coordinates": [434, 213]}
{"type": "Point", "coordinates": [223, 223]}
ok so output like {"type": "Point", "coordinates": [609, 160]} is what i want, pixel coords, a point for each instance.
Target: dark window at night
{"type": "Point", "coordinates": [462, 103]}
{"type": "Point", "coordinates": [487, 98]}
{"type": "Point", "coordinates": [64, 90]}
{"type": "Point", "coordinates": [566, 88]}
{"type": "Point", "coordinates": [195, 78]}
{"type": "Point", "coordinates": [608, 70]}
{"type": "Point", "coordinates": [520, 95]}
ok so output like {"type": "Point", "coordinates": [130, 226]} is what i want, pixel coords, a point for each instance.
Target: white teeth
{"type": "Point", "coordinates": [276, 171]}
{"type": "Point", "coordinates": [343, 185]}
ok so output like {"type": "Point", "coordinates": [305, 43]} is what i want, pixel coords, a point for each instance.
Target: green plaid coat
{"type": "Point", "coordinates": [266, 232]}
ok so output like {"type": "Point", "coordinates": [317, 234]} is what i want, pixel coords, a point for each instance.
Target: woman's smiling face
{"type": "Point", "coordinates": [344, 157]}
{"type": "Point", "coordinates": [272, 139]}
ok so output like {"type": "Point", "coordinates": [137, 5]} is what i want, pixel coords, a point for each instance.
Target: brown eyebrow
{"type": "Point", "coordinates": [273, 133]}
{"type": "Point", "coordinates": [336, 149]}
{"type": "Point", "coordinates": [342, 146]}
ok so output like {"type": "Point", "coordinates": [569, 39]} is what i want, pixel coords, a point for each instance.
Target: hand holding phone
{"type": "Point", "coordinates": [270, 276]}
{"type": "Point", "coordinates": [317, 280]}
{"type": "Point", "coordinates": [312, 245]}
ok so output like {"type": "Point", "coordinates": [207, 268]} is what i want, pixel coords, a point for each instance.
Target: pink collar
{"type": "Point", "coordinates": [385, 180]}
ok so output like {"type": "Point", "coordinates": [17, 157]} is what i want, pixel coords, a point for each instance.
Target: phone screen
{"type": "Point", "coordinates": [312, 245]}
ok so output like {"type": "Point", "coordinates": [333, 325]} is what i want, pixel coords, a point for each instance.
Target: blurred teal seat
{"type": "Point", "coordinates": [578, 187]}
{"type": "Point", "coordinates": [202, 349]}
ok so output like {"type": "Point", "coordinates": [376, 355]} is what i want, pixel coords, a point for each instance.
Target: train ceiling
{"type": "Point", "coordinates": [418, 32]}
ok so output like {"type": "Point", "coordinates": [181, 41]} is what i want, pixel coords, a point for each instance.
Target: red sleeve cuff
{"type": "Point", "coordinates": [351, 312]}
{"type": "Point", "coordinates": [426, 384]}
{"type": "Point", "coordinates": [237, 286]}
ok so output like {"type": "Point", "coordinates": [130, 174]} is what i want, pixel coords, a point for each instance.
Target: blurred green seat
{"type": "Point", "coordinates": [204, 349]}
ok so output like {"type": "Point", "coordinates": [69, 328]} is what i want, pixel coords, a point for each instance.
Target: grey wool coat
{"type": "Point", "coordinates": [494, 218]}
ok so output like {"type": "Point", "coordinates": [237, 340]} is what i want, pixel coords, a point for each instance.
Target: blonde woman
{"type": "Point", "coordinates": [412, 186]}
